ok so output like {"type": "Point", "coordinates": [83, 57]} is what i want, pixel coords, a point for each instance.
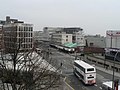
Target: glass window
{"type": "Point", "coordinates": [90, 77]}
{"type": "Point", "coordinates": [81, 68]}
{"type": "Point", "coordinates": [90, 69]}
{"type": "Point", "coordinates": [19, 28]}
{"type": "Point", "coordinates": [79, 74]}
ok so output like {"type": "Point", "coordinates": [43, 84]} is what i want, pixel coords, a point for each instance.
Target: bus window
{"type": "Point", "coordinates": [90, 77]}
{"type": "Point", "coordinates": [90, 69]}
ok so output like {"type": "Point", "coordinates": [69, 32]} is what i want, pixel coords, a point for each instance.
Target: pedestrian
{"type": "Point", "coordinates": [61, 64]}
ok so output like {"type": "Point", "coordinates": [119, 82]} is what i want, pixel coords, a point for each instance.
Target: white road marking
{"type": "Point", "coordinates": [100, 88]}
{"type": "Point", "coordinates": [68, 84]}
{"type": "Point", "coordinates": [95, 85]}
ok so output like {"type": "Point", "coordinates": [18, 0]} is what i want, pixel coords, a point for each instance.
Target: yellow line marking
{"type": "Point", "coordinates": [68, 84]}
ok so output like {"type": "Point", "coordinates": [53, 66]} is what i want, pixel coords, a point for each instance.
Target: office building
{"type": "Point", "coordinates": [1, 37]}
{"type": "Point", "coordinates": [76, 32]}
{"type": "Point", "coordinates": [17, 34]}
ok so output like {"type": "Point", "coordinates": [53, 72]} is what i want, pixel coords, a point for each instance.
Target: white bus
{"type": "Point", "coordinates": [85, 72]}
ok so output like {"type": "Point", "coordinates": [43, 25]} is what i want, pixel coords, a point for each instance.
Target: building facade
{"type": "Point", "coordinates": [76, 32]}
{"type": "Point", "coordinates": [1, 38]}
{"type": "Point", "coordinates": [80, 39]}
{"type": "Point", "coordinates": [112, 50]}
{"type": "Point", "coordinates": [17, 34]}
{"type": "Point", "coordinates": [95, 41]}
{"type": "Point", "coordinates": [113, 39]}
{"type": "Point", "coordinates": [61, 38]}
{"type": "Point", "coordinates": [40, 36]}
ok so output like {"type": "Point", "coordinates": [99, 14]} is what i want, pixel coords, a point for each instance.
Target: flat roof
{"type": "Point", "coordinates": [84, 64]}
{"type": "Point", "coordinates": [70, 44]}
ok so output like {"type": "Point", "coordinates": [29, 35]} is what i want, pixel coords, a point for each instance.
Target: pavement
{"type": "Point", "coordinates": [101, 68]}
{"type": "Point", "coordinates": [108, 71]}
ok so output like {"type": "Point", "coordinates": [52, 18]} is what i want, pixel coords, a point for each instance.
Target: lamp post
{"type": "Point", "coordinates": [113, 88]}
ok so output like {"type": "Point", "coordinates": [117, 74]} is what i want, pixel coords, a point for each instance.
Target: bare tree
{"type": "Point", "coordinates": [26, 70]}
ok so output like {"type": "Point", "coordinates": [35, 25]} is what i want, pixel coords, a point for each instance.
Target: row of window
{"type": "Point", "coordinates": [79, 74]}
{"type": "Point", "coordinates": [26, 45]}
{"type": "Point", "coordinates": [22, 34]}
{"type": "Point", "coordinates": [10, 45]}
{"type": "Point", "coordinates": [25, 34]}
{"type": "Point", "coordinates": [20, 39]}
{"type": "Point", "coordinates": [10, 34]}
{"type": "Point", "coordinates": [81, 68]}
{"type": "Point", "coordinates": [25, 28]}
{"type": "Point", "coordinates": [25, 39]}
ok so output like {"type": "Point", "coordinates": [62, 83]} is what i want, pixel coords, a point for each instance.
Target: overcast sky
{"type": "Point", "coordinates": [94, 16]}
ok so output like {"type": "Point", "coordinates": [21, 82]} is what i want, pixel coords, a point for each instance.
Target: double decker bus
{"type": "Point", "coordinates": [85, 72]}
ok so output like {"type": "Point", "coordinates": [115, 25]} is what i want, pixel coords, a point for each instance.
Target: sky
{"type": "Point", "coordinates": [93, 16]}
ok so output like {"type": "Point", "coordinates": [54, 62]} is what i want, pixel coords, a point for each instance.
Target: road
{"type": "Point", "coordinates": [67, 70]}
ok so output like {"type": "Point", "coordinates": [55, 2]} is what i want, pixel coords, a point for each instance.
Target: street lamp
{"type": "Point", "coordinates": [113, 88]}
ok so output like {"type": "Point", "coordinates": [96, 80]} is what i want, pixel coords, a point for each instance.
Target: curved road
{"type": "Point", "coordinates": [67, 69]}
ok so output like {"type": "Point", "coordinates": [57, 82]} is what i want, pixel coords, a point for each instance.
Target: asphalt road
{"type": "Point", "coordinates": [67, 70]}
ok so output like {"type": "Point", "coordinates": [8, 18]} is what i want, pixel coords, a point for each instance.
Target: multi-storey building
{"type": "Point", "coordinates": [38, 36]}
{"type": "Point", "coordinates": [80, 39]}
{"type": "Point", "coordinates": [17, 34]}
{"type": "Point", "coordinates": [76, 32]}
{"type": "Point", "coordinates": [61, 38]}
{"type": "Point", "coordinates": [113, 39]}
{"type": "Point", "coordinates": [1, 38]}
{"type": "Point", "coordinates": [112, 50]}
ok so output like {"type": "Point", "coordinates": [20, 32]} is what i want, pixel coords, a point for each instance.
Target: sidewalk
{"type": "Point", "coordinates": [64, 85]}
{"type": "Point", "coordinates": [108, 71]}
{"type": "Point", "coordinates": [101, 68]}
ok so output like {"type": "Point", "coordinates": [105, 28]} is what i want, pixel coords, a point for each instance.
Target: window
{"type": "Point", "coordinates": [24, 29]}
{"type": "Point", "coordinates": [19, 28]}
{"type": "Point", "coordinates": [66, 36]}
{"type": "Point", "coordinates": [90, 69]}
{"type": "Point", "coordinates": [66, 39]}
{"type": "Point", "coordinates": [90, 77]}
{"type": "Point", "coordinates": [79, 74]}
{"type": "Point", "coordinates": [91, 44]}
{"type": "Point", "coordinates": [81, 68]}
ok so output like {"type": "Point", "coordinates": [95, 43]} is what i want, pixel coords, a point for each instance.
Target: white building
{"type": "Point", "coordinates": [61, 38]}
{"type": "Point", "coordinates": [14, 33]}
{"type": "Point", "coordinates": [76, 32]}
{"type": "Point", "coordinates": [113, 39]}
{"type": "Point", "coordinates": [80, 39]}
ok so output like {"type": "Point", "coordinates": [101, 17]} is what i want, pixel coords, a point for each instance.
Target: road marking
{"type": "Point", "coordinates": [68, 84]}
{"type": "Point", "coordinates": [95, 85]}
{"type": "Point", "coordinates": [100, 88]}
{"type": "Point", "coordinates": [84, 88]}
